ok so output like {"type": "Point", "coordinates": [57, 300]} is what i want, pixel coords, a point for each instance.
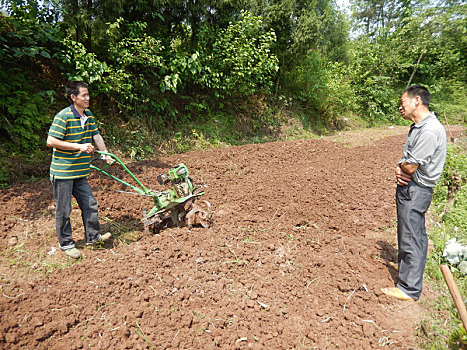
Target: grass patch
{"type": "Point", "coordinates": [443, 329]}
{"type": "Point", "coordinates": [122, 233]}
{"type": "Point", "coordinates": [28, 262]}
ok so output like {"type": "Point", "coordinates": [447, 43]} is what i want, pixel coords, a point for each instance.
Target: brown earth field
{"type": "Point", "coordinates": [300, 247]}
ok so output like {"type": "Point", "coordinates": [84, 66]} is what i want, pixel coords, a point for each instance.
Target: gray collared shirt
{"type": "Point", "coordinates": [426, 146]}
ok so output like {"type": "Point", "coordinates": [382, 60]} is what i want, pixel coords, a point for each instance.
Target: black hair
{"type": "Point", "coordinates": [418, 90]}
{"type": "Point", "coordinates": [72, 87]}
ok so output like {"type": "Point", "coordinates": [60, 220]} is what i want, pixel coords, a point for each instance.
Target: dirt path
{"type": "Point", "coordinates": [299, 250]}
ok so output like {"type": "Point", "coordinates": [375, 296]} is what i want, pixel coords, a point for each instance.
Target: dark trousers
{"type": "Point", "coordinates": [412, 202]}
{"type": "Point", "coordinates": [80, 189]}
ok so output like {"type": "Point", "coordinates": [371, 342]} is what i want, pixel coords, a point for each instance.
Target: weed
{"type": "Point", "coordinates": [120, 232]}
{"type": "Point", "coordinates": [458, 339]}
{"type": "Point", "coordinates": [236, 261]}
{"type": "Point", "coordinates": [376, 257]}
{"type": "Point", "coordinates": [449, 213]}
{"type": "Point", "coordinates": [302, 343]}
{"type": "Point", "coordinates": [312, 281]}
{"type": "Point", "coordinates": [198, 314]}
{"type": "Point", "coordinates": [227, 322]}
{"type": "Point", "coordinates": [301, 226]}
{"type": "Point", "coordinates": [104, 306]}
{"type": "Point", "coordinates": [50, 264]}
{"type": "Point", "coordinates": [233, 169]}
{"type": "Point", "coordinates": [141, 333]}
{"type": "Point", "coordinates": [252, 232]}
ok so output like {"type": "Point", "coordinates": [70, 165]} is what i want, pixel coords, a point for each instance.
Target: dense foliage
{"type": "Point", "coordinates": [25, 52]}
{"type": "Point", "coordinates": [223, 71]}
{"type": "Point", "coordinates": [449, 214]}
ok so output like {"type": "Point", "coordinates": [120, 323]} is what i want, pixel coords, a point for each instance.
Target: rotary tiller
{"type": "Point", "coordinates": [176, 204]}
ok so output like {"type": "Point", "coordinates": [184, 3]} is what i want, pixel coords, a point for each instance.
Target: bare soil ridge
{"type": "Point", "coordinates": [296, 258]}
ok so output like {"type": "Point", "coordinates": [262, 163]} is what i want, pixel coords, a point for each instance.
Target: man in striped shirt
{"type": "Point", "coordinates": [417, 173]}
{"type": "Point", "coordinates": [72, 134]}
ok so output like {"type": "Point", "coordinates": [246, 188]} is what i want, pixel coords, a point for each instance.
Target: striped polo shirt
{"type": "Point", "coordinates": [66, 126]}
{"type": "Point", "coordinates": [426, 146]}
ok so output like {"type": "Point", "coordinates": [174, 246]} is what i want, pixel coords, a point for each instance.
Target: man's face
{"type": "Point", "coordinates": [408, 106]}
{"type": "Point", "coordinates": [82, 100]}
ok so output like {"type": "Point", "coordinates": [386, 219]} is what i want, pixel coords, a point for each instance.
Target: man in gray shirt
{"type": "Point", "coordinates": [417, 173]}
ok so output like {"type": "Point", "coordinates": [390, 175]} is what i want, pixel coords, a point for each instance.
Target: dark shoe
{"type": "Point", "coordinates": [73, 253]}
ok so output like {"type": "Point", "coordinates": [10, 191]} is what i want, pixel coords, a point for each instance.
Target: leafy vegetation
{"type": "Point", "coordinates": [165, 71]}
{"type": "Point", "coordinates": [450, 213]}
{"type": "Point", "coordinates": [158, 67]}
{"type": "Point", "coordinates": [25, 88]}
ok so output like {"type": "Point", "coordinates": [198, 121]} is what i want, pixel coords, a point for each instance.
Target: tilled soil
{"type": "Point", "coordinates": [302, 238]}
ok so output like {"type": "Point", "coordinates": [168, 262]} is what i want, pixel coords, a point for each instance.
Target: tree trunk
{"type": "Point", "coordinates": [416, 65]}
{"type": "Point", "coordinates": [88, 25]}
{"type": "Point", "coordinates": [194, 14]}
{"type": "Point", "coordinates": [75, 12]}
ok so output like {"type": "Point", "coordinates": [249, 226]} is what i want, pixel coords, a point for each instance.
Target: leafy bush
{"type": "Point", "coordinates": [85, 65]}
{"type": "Point", "coordinates": [450, 212]}
{"type": "Point", "coordinates": [239, 61]}
{"type": "Point", "coordinates": [451, 193]}
{"type": "Point", "coordinates": [448, 100]}
{"type": "Point", "coordinates": [3, 176]}
{"type": "Point", "coordinates": [323, 89]}
{"type": "Point", "coordinates": [133, 76]}
{"type": "Point", "coordinates": [25, 49]}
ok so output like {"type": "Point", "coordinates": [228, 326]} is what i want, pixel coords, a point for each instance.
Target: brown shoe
{"type": "Point", "coordinates": [73, 253]}
{"type": "Point", "coordinates": [396, 293]}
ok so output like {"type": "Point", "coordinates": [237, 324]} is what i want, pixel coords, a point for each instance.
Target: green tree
{"type": "Point", "coordinates": [301, 25]}
{"type": "Point", "coordinates": [372, 17]}
{"type": "Point", "coordinates": [27, 43]}
{"type": "Point", "coordinates": [427, 47]}
{"type": "Point", "coordinates": [239, 62]}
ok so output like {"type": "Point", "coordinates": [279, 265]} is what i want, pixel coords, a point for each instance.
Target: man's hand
{"type": "Point", "coordinates": [402, 178]}
{"type": "Point", "coordinates": [100, 144]}
{"type": "Point", "coordinates": [108, 159]}
{"type": "Point", "coordinates": [408, 168]}
{"type": "Point", "coordinates": [87, 147]}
